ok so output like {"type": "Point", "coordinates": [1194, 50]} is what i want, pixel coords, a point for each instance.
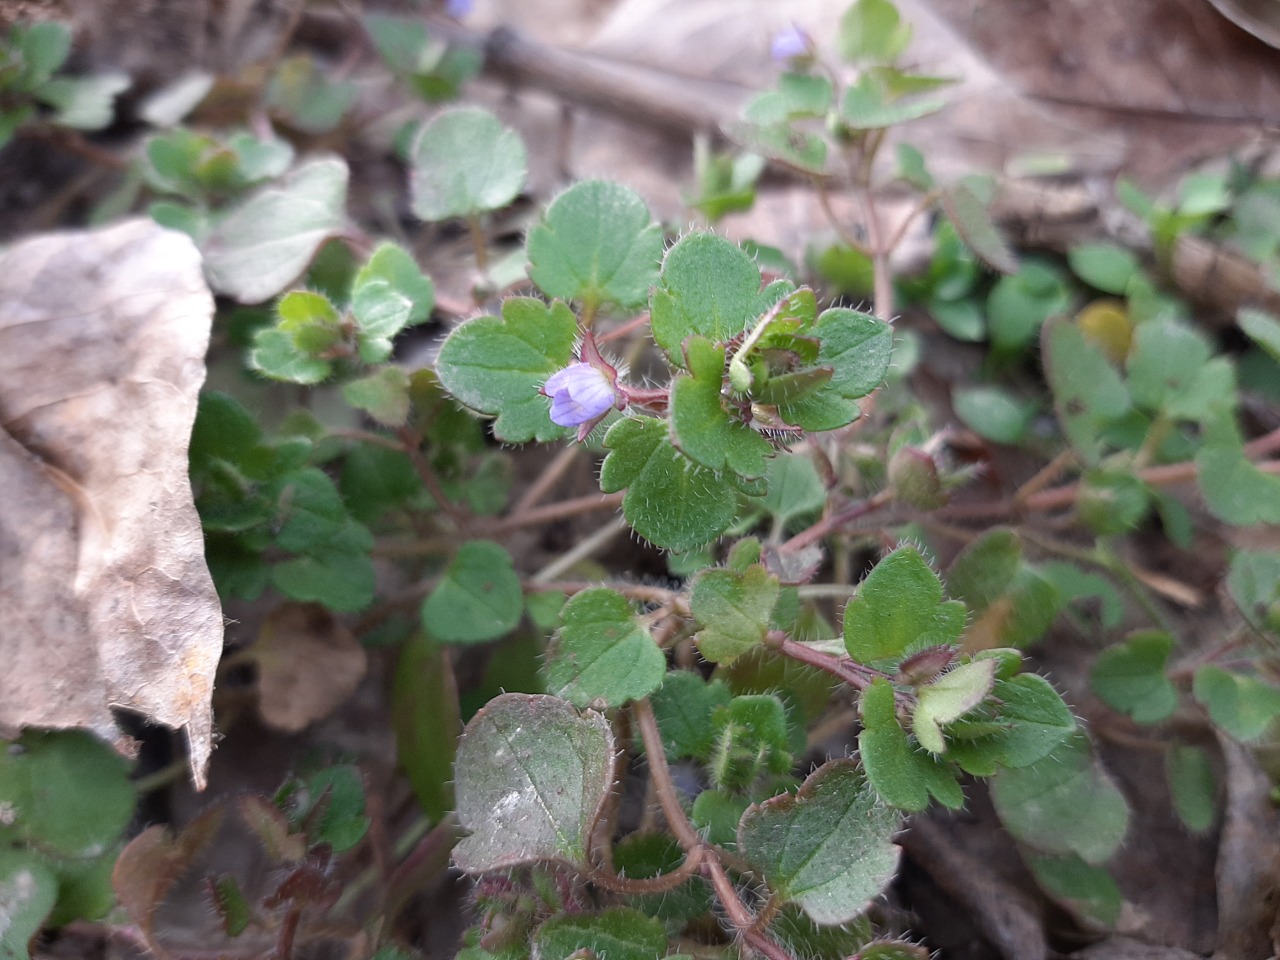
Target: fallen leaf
{"type": "Point", "coordinates": [308, 664]}
{"type": "Point", "coordinates": [105, 598]}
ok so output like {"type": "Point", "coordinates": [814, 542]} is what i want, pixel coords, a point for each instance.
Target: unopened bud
{"type": "Point", "coordinates": [920, 668]}
{"type": "Point", "coordinates": [913, 476]}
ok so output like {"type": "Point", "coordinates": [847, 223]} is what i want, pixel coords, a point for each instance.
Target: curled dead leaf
{"type": "Point", "coordinates": [308, 664]}
{"type": "Point", "coordinates": [105, 598]}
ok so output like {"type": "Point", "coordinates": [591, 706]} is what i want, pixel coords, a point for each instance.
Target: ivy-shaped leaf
{"type": "Point", "coordinates": [1131, 677]}
{"type": "Point", "coordinates": [495, 366]}
{"type": "Point", "coordinates": [903, 775]}
{"type": "Point", "coordinates": [671, 501]}
{"type": "Point", "coordinates": [684, 706]}
{"type": "Point", "coordinates": [701, 428]}
{"type": "Point", "coordinates": [531, 777]}
{"type": "Point", "coordinates": [829, 847]}
{"type": "Point", "coordinates": [1234, 489]}
{"type": "Point", "coordinates": [1012, 603]}
{"type": "Point", "coordinates": [479, 597]}
{"type": "Point", "coordinates": [465, 162]}
{"type": "Point", "coordinates": [1027, 720]}
{"type": "Point", "coordinates": [28, 891]}
{"type": "Point", "coordinates": [602, 652]}
{"type": "Point", "coordinates": [709, 287]}
{"type": "Point", "coordinates": [898, 609]}
{"type": "Point", "coordinates": [733, 608]}
{"type": "Point", "coordinates": [1243, 706]}
{"type": "Point", "coordinates": [596, 243]}
{"type": "Point", "coordinates": [1087, 391]}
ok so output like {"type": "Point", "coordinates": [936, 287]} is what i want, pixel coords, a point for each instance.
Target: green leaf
{"type": "Point", "coordinates": [899, 608]}
{"type": "Point", "coordinates": [465, 162]}
{"type": "Point", "coordinates": [868, 105]}
{"type": "Point", "coordinates": [1065, 803]}
{"type": "Point", "coordinates": [335, 576]}
{"type": "Point", "coordinates": [65, 793]}
{"type": "Point", "coordinates": [733, 608]}
{"type": "Point", "coordinates": [751, 741]}
{"type": "Point", "coordinates": [1171, 368]}
{"type": "Point", "coordinates": [872, 30]}
{"type": "Point", "coordinates": [43, 46]}
{"type": "Point", "coordinates": [383, 395]}
{"type": "Point", "coordinates": [1243, 706]}
{"type": "Point", "coordinates": [265, 243]}
{"type": "Point", "coordinates": [495, 366]}
{"type": "Point", "coordinates": [671, 501]}
{"type": "Point", "coordinates": [1131, 677]}
{"type": "Point", "coordinates": [684, 706]}
{"type": "Point", "coordinates": [973, 224]}
{"type": "Point", "coordinates": [994, 413]}
{"type": "Point", "coordinates": [1234, 489]}
{"type": "Point", "coordinates": [857, 347]}
{"type": "Point", "coordinates": [531, 777]}
{"type": "Point", "coordinates": [901, 774]}
{"type": "Point", "coordinates": [1262, 328]}
{"type": "Point", "coordinates": [1013, 604]}
{"type": "Point", "coordinates": [948, 698]}
{"type": "Point", "coordinates": [642, 855]}
{"type": "Point", "coordinates": [717, 813]}
{"type": "Point", "coordinates": [478, 598]}
{"type": "Point", "coordinates": [84, 103]}
{"type": "Point", "coordinates": [828, 848]}
{"type": "Point", "coordinates": [602, 653]}
{"type": "Point", "coordinates": [1088, 891]}
{"type": "Point", "coordinates": [28, 891]}
{"type": "Point", "coordinates": [307, 97]}
{"type": "Point", "coordinates": [332, 808]}
{"type": "Point", "coordinates": [394, 266]}
{"type": "Point", "coordinates": [912, 167]}
{"type": "Point", "coordinates": [1076, 584]}
{"type": "Point", "coordinates": [426, 720]}
{"type": "Point", "coordinates": [618, 933]}
{"type": "Point", "coordinates": [311, 321]}
{"type": "Point", "coordinates": [701, 428]}
{"type": "Point", "coordinates": [1112, 501]}
{"type": "Point", "coordinates": [1192, 786]}
{"type": "Point", "coordinates": [1105, 266]}
{"type": "Point", "coordinates": [1253, 580]}
{"type": "Point", "coordinates": [596, 243]}
{"type": "Point", "coordinates": [1018, 305]}
{"type": "Point", "coordinates": [231, 905]}
{"type": "Point", "coordinates": [275, 354]}
{"type": "Point", "coordinates": [794, 488]}
{"type": "Point", "coordinates": [1087, 391]}
{"type": "Point", "coordinates": [1031, 721]}
{"type": "Point", "coordinates": [709, 287]}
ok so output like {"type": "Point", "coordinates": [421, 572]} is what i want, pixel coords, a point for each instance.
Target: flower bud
{"type": "Point", "coordinates": [913, 476]}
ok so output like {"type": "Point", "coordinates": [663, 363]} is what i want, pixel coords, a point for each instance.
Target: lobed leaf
{"type": "Point", "coordinates": [596, 243]}
{"type": "Point", "coordinates": [734, 608]}
{"type": "Point", "coordinates": [478, 598]}
{"type": "Point", "coordinates": [603, 653]}
{"type": "Point", "coordinates": [899, 607]}
{"type": "Point", "coordinates": [1131, 677]}
{"type": "Point", "coordinates": [829, 847]}
{"type": "Point", "coordinates": [671, 501]}
{"type": "Point", "coordinates": [495, 366]}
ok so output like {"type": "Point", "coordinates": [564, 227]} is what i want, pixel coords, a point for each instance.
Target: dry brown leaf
{"type": "Point", "coordinates": [308, 664]}
{"type": "Point", "coordinates": [105, 598]}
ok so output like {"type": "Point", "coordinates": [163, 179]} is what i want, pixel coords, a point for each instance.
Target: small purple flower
{"type": "Point", "coordinates": [459, 8]}
{"type": "Point", "coordinates": [790, 43]}
{"type": "Point", "coordinates": [580, 393]}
